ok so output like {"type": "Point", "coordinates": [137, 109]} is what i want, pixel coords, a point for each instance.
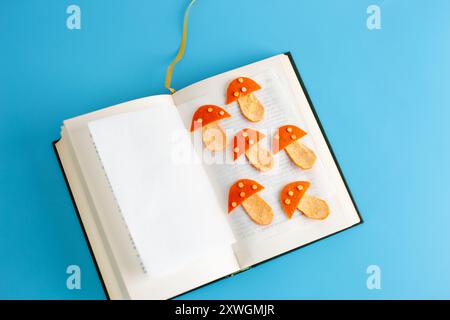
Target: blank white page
{"type": "Point", "coordinates": [285, 103]}
{"type": "Point", "coordinates": [167, 203]}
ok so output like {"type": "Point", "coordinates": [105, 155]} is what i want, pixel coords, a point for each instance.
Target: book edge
{"type": "Point", "coordinates": [72, 198]}
{"type": "Point", "coordinates": [322, 130]}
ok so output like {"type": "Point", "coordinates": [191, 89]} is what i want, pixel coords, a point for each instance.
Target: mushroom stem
{"type": "Point", "coordinates": [260, 157]}
{"type": "Point", "coordinates": [251, 108]}
{"type": "Point", "coordinates": [301, 155]}
{"type": "Point", "coordinates": [313, 207]}
{"type": "Point", "coordinates": [258, 210]}
{"type": "Point", "coordinates": [214, 137]}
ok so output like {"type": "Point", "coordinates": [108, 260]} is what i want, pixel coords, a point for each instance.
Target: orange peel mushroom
{"type": "Point", "coordinates": [207, 117]}
{"type": "Point", "coordinates": [247, 141]}
{"type": "Point", "coordinates": [287, 138]}
{"type": "Point", "coordinates": [241, 89]}
{"type": "Point", "coordinates": [244, 192]}
{"type": "Point", "coordinates": [293, 196]}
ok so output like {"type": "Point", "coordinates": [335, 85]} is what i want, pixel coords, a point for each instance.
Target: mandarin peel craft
{"type": "Point", "coordinates": [208, 117]}
{"type": "Point", "coordinates": [287, 138]}
{"type": "Point", "coordinates": [244, 192]}
{"type": "Point", "coordinates": [247, 141]}
{"type": "Point", "coordinates": [293, 196]}
{"type": "Point", "coordinates": [241, 89]}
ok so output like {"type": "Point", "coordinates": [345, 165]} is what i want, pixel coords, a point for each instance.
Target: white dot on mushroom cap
{"type": "Point", "coordinates": [289, 129]}
{"type": "Point", "coordinates": [293, 137]}
{"type": "Point", "coordinates": [244, 89]}
{"type": "Point", "coordinates": [254, 187]}
{"type": "Point", "coordinates": [300, 187]}
{"type": "Point", "coordinates": [234, 204]}
{"type": "Point", "coordinates": [291, 193]}
{"type": "Point", "coordinates": [242, 194]}
{"type": "Point", "coordinates": [210, 109]}
{"type": "Point", "coordinates": [236, 94]}
{"type": "Point", "coordinates": [221, 112]}
{"type": "Point", "coordinates": [236, 150]}
{"type": "Point", "coordinates": [240, 184]}
{"type": "Point", "coordinates": [287, 201]}
{"type": "Point", "coordinates": [199, 120]}
{"type": "Point", "coordinates": [240, 80]}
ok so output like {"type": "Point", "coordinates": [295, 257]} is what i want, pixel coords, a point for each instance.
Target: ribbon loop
{"type": "Point", "coordinates": [181, 49]}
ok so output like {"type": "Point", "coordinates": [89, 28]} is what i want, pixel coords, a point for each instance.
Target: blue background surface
{"type": "Point", "coordinates": [383, 98]}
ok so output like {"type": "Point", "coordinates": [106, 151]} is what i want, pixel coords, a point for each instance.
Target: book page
{"type": "Point", "coordinates": [115, 253]}
{"type": "Point", "coordinates": [255, 242]}
{"type": "Point", "coordinates": [168, 205]}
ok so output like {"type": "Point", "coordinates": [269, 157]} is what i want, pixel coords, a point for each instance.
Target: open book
{"type": "Point", "coordinates": [154, 201]}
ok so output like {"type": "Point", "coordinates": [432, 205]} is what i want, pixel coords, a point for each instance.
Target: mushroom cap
{"type": "Point", "coordinates": [242, 86]}
{"type": "Point", "coordinates": [244, 139]}
{"type": "Point", "coordinates": [291, 195]}
{"type": "Point", "coordinates": [207, 113]}
{"type": "Point", "coordinates": [240, 191]}
{"type": "Point", "coordinates": [285, 136]}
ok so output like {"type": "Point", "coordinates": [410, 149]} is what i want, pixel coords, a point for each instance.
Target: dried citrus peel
{"type": "Point", "coordinates": [293, 196]}
{"type": "Point", "coordinates": [251, 108]}
{"type": "Point", "coordinates": [258, 210]}
{"type": "Point", "coordinates": [208, 117]}
{"type": "Point", "coordinates": [313, 207]}
{"type": "Point", "coordinates": [287, 138]}
{"type": "Point", "coordinates": [260, 158]}
{"type": "Point", "coordinates": [301, 155]}
{"type": "Point", "coordinates": [214, 137]}
{"type": "Point", "coordinates": [244, 192]}
{"type": "Point", "coordinates": [241, 89]}
{"type": "Point", "coordinates": [247, 141]}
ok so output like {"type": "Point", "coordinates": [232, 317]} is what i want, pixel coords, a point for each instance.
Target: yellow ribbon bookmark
{"type": "Point", "coordinates": [181, 49]}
